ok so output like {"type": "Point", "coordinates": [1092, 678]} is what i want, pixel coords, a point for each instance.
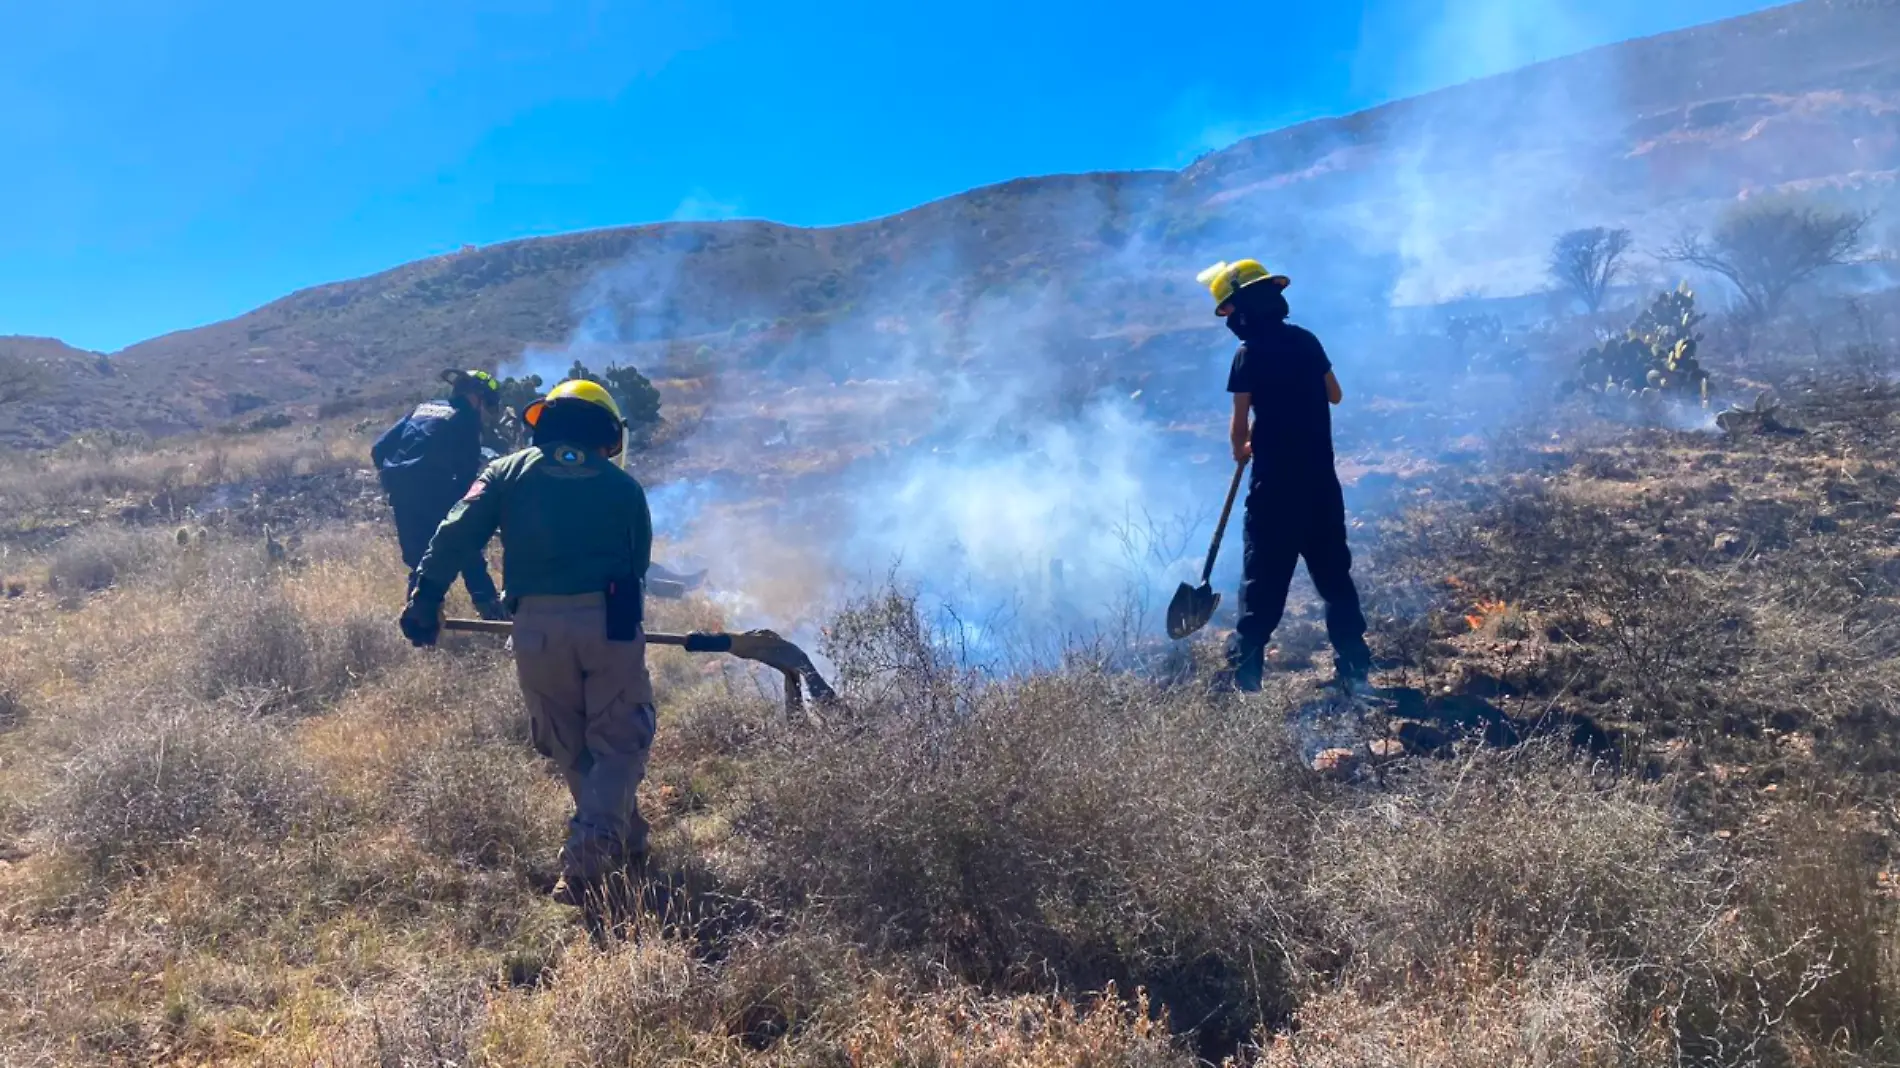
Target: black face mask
{"type": "Point", "coordinates": [1256, 308]}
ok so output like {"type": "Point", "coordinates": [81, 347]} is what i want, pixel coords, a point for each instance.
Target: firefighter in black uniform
{"type": "Point", "coordinates": [428, 461]}
{"type": "Point", "coordinates": [1283, 388]}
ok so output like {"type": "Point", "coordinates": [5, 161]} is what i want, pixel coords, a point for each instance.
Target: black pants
{"type": "Point", "coordinates": [417, 516]}
{"type": "Point", "coordinates": [1286, 523]}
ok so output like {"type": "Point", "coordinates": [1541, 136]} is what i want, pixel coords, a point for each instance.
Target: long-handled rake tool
{"type": "Point", "coordinates": [1193, 606]}
{"type": "Point", "coordinates": [758, 646]}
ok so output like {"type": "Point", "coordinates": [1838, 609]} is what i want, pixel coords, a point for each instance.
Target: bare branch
{"type": "Point", "coordinates": [1766, 250]}
{"type": "Point", "coordinates": [1587, 263]}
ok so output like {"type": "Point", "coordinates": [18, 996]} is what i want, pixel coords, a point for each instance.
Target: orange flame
{"type": "Point", "coordinates": [1484, 610]}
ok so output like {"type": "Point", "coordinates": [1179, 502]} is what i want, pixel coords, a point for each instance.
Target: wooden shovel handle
{"type": "Point", "coordinates": [1220, 529]}
{"type": "Point", "coordinates": [699, 643]}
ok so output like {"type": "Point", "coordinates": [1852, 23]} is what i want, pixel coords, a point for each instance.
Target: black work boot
{"type": "Point", "coordinates": [569, 890]}
{"type": "Point", "coordinates": [1352, 669]}
{"type": "Point", "coordinates": [585, 867]}
{"type": "Point", "coordinates": [1246, 664]}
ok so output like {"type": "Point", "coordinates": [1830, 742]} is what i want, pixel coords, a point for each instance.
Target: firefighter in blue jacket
{"type": "Point", "coordinates": [428, 461]}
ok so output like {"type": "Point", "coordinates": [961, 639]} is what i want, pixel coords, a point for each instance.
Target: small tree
{"type": "Point", "coordinates": [518, 393]}
{"type": "Point", "coordinates": [1767, 249]}
{"type": "Point", "coordinates": [1587, 263]}
{"type": "Point", "coordinates": [639, 401]}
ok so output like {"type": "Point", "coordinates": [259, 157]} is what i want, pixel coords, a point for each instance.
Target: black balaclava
{"type": "Point", "coordinates": [469, 398]}
{"type": "Point", "coordinates": [1257, 307]}
{"type": "Point", "coordinates": [576, 422]}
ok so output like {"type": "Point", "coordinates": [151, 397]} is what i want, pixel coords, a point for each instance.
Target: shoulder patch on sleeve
{"type": "Point", "coordinates": [475, 491]}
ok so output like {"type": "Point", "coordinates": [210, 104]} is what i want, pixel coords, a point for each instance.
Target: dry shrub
{"type": "Point", "coordinates": [1084, 828]}
{"type": "Point", "coordinates": [475, 804]}
{"type": "Point", "coordinates": [803, 1002]}
{"type": "Point", "coordinates": [61, 995]}
{"type": "Point", "coordinates": [152, 784]}
{"type": "Point", "coordinates": [1530, 895]}
{"type": "Point", "coordinates": [348, 545]}
{"type": "Point", "coordinates": [438, 1021]}
{"type": "Point", "coordinates": [886, 654]}
{"type": "Point", "coordinates": [1542, 1018]}
{"type": "Point", "coordinates": [1666, 641]}
{"type": "Point", "coordinates": [98, 558]}
{"type": "Point", "coordinates": [1827, 663]}
{"type": "Point", "coordinates": [354, 650]}
{"type": "Point", "coordinates": [628, 1006]}
{"type": "Point", "coordinates": [1521, 857]}
{"type": "Point", "coordinates": [168, 477]}
{"type": "Point", "coordinates": [711, 723]}
{"type": "Point", "coordinates": [472, 694]}
{"type": "Point", "coordinates": [1022, 1032]}
{"type": "Point", "coordinates": [1828, 965]}
{"type": "Point", "coordinates": [252, 640]}
{"type": "Point", "coordinates": [254, 643]}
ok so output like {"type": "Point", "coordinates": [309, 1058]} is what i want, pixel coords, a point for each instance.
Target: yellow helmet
{"type": "Point", "coordinates": [581, 390]}
{"type": "Point", "coordinates": [575, 389]}
{"type": "Point", "coordinates": [1225, 279]}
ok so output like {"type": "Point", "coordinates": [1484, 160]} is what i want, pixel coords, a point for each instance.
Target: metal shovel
{"type": "Point", "coordinates": [1193, 606]}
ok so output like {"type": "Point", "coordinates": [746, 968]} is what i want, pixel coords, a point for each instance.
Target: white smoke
{"type": "Point", "coordinates": [1014, 401]}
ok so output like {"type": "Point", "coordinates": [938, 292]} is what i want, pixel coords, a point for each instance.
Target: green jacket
{"type": "Point", "coordinates": [570, 522]}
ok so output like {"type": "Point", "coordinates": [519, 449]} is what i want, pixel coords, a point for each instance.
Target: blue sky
{"type": "Point", "coordinates": [169, 164]}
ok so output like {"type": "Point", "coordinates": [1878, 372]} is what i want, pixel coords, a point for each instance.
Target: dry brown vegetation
{"type": "Point", "coordinates": [1628, 798]}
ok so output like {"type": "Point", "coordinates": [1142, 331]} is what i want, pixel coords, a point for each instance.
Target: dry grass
{"type": "Point", "coordinates": [241, 822]}
{"type": "Point", "coordinates": [171, 478]}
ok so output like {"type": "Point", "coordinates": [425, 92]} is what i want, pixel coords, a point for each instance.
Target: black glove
{"type": "Point", "coordinates": [421, 620]}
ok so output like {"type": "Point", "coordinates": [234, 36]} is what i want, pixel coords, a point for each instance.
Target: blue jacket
{"type": "Point", "coordinates": [434, 451]}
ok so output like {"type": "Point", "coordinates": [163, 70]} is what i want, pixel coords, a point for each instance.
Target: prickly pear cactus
{"type": "Point", "coordinates": [1659, 354]}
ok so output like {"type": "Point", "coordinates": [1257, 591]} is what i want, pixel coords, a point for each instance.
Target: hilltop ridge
{"type": "Point", "coordinates": [1449, 193]}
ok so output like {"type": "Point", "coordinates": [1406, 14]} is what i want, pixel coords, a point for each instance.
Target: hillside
{"type": "Point", "coordinates": [1424, 200]}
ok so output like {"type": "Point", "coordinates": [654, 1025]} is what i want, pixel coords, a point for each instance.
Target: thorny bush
{"type": "Point", "coordinates": [153, 784]}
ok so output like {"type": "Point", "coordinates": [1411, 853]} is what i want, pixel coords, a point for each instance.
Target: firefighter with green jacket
{"type": "Point", "coordinates": [576, 543]}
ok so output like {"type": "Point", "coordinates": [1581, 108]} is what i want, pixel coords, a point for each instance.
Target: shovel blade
{"type": "Point", "coordinates": [1191, 608]}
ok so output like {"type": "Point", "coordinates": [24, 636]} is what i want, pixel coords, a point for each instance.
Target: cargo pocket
{"type": "Point", "coordinates": [538, 734]}
{"type": "Point", "coordinates": [557, 733]}
{"type": "Point", "coordinates": [530, 647]}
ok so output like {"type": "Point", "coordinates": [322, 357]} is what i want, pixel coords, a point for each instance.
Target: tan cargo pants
{"type": "Point", "coordinates": [590, 710]}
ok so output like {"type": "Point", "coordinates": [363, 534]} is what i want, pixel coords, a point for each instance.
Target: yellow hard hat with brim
{"type": "Point", "coordinates": [579, 389]}
{"type": "Point", "coordinates": [1225, 279]}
